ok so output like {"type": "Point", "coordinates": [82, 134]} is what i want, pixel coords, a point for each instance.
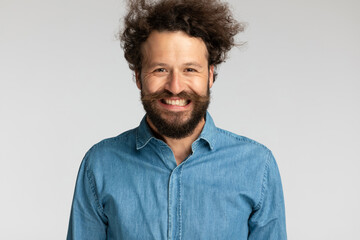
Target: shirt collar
{"type": "Point", "coordinates": [144, 134]}
{"type": "Point", "coordinates": [209, 131]}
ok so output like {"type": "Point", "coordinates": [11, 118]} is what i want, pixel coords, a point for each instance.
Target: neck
{"type": "Point", "coordinates": [181, 148]}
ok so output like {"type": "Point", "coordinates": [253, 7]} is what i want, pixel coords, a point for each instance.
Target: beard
{"type": "Point", "coordinates": [175, 124]}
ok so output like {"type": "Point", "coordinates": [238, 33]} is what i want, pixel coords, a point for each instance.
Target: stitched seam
{"type": "Point", "coordinates": [169, 208]}
{"type": "Point", "coordinates": [123, 137]}
{"type": "Point", "coordinates": [263, 185]}
{"type": "Point", "coordinates": [180, 200]}
{"type": "Point", "coordinates": [240, 138]}
{"type": "Point", "coordinates": [93, 190]}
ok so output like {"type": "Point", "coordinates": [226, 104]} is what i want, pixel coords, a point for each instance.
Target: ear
{"type": "Point", "coordinates": [211, 75]}
{"type": "Point", "coordinates": [138, 80]}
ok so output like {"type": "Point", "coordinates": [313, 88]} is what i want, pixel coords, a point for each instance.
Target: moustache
{"type": "Point", "coordinates": [190, 96]}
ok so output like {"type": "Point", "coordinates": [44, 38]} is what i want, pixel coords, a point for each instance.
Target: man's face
{"type": "Point", "coordinates": [175, 80]}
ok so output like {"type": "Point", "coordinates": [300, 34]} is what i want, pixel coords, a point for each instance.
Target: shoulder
{"type": "Point", "coordinates": [245, 150]}
{"type": "Point", "coordinates": [111, 149]}
{"type": "Point", "coordinates": [229, 138]}
{"type": "Point", "coordinates": [125, 138]}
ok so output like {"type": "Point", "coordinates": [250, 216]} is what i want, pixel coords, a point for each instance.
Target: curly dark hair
{"type": "Point", "coordinates": [210, 20]}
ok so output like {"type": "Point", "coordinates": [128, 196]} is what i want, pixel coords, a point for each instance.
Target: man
{"type": "Point", "coordinates": [177, 176]}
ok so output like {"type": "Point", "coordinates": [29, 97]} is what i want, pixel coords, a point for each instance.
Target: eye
{"type": "Point", "coordinates": [160, 70]}
{"type": "Point", "coordinates": [190, 70]}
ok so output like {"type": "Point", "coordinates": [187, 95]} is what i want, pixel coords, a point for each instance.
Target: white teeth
{"type": "Point", "coordinates": [177, 102]}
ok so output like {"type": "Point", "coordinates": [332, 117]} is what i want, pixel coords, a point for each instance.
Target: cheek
{"type": "Point", "coordinates": [151, 86]}
{"type": "Point", "coordinates": [200, 87]}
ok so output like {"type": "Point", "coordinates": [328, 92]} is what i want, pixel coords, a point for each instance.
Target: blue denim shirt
{"type": "Point", "coordinates": [130, 187]}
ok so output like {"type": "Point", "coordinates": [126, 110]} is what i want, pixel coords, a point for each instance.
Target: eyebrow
{"type": "Point", "coordinates": [158, 64]}
{"type": "Point", "coordinates": [189, 64]}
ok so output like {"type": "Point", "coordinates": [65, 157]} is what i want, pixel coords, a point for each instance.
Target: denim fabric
{"type": "Point", "coordinates": [129, 187]}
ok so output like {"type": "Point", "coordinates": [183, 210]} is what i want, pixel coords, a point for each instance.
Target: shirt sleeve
{"type": "Point", "coordinates": [87, 219]}
{"type": "Point", "coordinates": [267, 221]}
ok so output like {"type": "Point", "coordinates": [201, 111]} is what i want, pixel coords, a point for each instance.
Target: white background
{"type": "Point", "coordinates": [64, 85]}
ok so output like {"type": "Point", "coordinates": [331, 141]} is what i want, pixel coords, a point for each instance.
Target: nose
{"type": "Point", "coordinates": [175, 83]}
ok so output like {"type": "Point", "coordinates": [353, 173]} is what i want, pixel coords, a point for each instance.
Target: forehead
{"type": "Point", "coordinates": [166, 45]}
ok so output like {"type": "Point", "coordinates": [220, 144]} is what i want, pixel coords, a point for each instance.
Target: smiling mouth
{"type": "Point", "coordinates": [176, 102]}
